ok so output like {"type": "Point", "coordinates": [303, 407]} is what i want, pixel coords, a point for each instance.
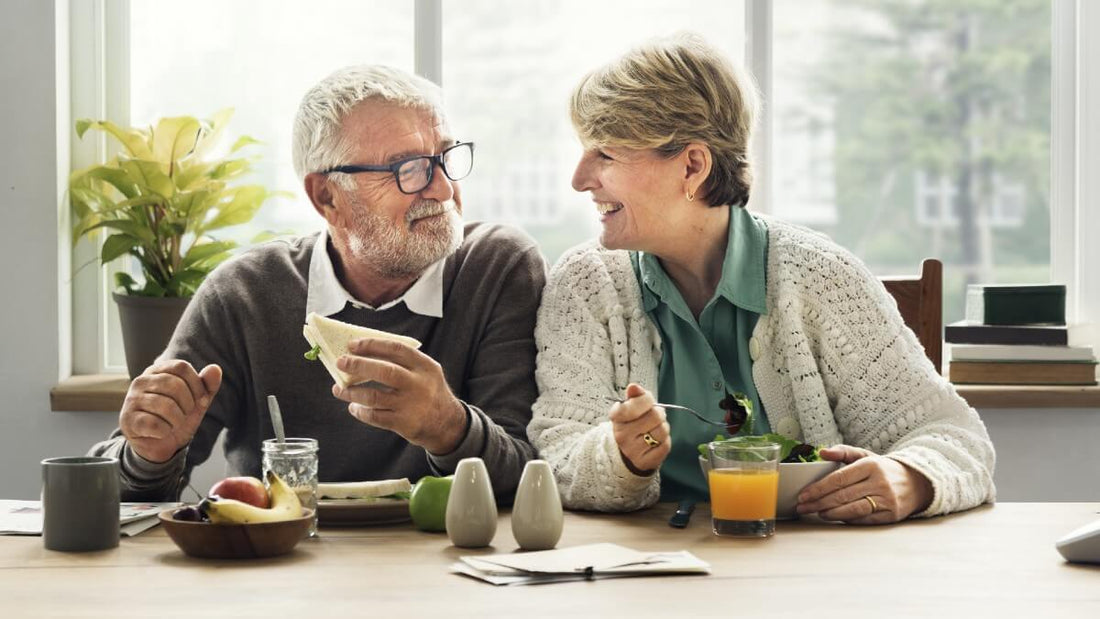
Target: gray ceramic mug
{"type": "Point", "coordinates": [80, 501]}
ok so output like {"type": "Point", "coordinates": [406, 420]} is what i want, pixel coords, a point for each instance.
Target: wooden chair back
{"type": "Point", "coordinates": [920, 301]}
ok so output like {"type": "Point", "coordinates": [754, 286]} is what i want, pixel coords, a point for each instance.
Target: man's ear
{"type": "Point", "coordinates": [697, 164]}
{"type": "Point", "coordinates": [320, 194]}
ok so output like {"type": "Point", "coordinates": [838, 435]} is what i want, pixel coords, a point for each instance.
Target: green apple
{"type": "Point", "coordinates": [428, 503]}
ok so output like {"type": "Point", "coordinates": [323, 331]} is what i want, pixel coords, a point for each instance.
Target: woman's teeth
{"type": "Point", "coordinates": [608, 207]}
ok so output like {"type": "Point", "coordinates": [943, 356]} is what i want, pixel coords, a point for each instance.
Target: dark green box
{"type": "Point", "coordinates": [1015, 304]}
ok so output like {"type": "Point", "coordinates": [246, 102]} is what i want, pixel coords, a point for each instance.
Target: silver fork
{"type": "Point", "coordinates": [677, 407]}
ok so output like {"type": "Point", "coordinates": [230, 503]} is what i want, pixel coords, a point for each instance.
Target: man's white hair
{"type": "Point", "coordinates": [318, 140]}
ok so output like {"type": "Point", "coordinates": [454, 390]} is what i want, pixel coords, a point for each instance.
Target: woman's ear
{"type": "Point", "coordinates": [697, 163]}
{"type": "Point", "coordinates": [320, 194]}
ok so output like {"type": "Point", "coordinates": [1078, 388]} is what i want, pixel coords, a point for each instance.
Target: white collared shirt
{"type": "Point", "coordinates": [327, 296]}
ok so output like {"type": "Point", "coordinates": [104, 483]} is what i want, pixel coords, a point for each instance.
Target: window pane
{"type": "Point", "coordinates": [258, 57]}
{"type": "Point", "coordinates": [508, 71]}
{"type": "Point", "coordinates": [913, 129]}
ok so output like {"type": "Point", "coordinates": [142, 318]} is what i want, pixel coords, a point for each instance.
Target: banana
{"type": "Point", "coordinates": [284, 506]}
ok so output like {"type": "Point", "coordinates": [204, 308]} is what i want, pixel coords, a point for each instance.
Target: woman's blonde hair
{"type": "Point", "coordinates": [666, 94]}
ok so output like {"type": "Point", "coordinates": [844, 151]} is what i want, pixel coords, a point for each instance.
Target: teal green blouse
{"type": "Point", "coordinates": [702, 361]}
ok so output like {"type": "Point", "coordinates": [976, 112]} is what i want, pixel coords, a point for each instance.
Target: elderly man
{"type": "Point", "coordinates": [380, 165]}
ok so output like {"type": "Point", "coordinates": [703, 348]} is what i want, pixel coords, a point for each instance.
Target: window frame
{"type": "Point", "coordinates": [99, 81]}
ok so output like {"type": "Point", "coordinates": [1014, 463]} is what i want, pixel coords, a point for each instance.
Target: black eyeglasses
{"type": "Point", "coordinates": [415, 173]}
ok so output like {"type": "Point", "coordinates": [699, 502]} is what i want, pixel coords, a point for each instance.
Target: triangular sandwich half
{"type": "Point", "coordinates": [332, 337]}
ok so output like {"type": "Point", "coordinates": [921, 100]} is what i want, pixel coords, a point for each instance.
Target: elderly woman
{"type": "Point", "coordinates": [688, 298]}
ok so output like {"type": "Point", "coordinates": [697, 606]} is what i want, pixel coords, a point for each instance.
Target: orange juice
{"type": "Point", "coordinates": [737, 494]}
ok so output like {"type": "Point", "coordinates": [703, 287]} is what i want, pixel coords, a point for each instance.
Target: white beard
{"type": "Point", "coordinates": [398, 252]}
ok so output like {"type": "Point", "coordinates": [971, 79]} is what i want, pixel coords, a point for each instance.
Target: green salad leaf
{"type": "Point", "coordinates": [313, 353]}
{"type": "Point", "coordinates": [790, 450]}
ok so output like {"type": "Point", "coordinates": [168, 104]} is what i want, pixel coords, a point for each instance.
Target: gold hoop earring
{"type": "Point", "coordinates": [691, 196]}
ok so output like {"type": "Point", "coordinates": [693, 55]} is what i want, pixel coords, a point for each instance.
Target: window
{"type": "Point", "coordinates": [516, 105]}
{"type": "Point", "coordinates": [902, 129]}
{"type": "Point", "coordinates": [908, 130]}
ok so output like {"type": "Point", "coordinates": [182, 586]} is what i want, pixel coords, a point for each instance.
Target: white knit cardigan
{"type": "Point", "coordinates": [833, 363]}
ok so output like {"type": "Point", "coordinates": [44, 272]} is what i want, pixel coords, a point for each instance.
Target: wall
{"type": "Point", "coordinates": [1042, 455]}
{"type": "Point", "coordinates": [33, 78]}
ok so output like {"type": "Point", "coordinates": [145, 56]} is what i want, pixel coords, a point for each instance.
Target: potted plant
{"type": "Point", "coordinates": [158, 201]}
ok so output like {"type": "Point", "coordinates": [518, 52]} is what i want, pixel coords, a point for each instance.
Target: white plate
{"type": "Point", "coordinates": [361, 512]}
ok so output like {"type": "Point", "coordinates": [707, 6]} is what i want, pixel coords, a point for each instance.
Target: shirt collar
{"type": "Point", "coordinates": [743, 280]}
{"type": "Point", "coordinates": [327, 296]}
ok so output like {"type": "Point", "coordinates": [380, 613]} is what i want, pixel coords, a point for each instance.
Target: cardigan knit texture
{"type": "Point", "coordinates": [833, 363]}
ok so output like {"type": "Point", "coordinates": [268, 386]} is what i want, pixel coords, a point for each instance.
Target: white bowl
{"type": "Point", "coordinates": [793, 477]}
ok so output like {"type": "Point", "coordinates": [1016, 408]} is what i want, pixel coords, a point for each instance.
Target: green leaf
{"type": "Point", "coordinates": [117, 245]}
{"type": "Point", "coordinates": [200, 252]}
{"type": "Point", "coordinates": [185, 282]}
{"type": "Point", "coordinates": [230, 169]}
{"type": "Point", "coordinates": [136, 142]}
{"type": "Point", "coordinates": [243, 141]}
{"type": "Point", "coordinates": [129, 227]}
{"type": "Point", "coordinates": [124, 281]}
{"type": "Point", "coordinates": [313, 353]}
{"type": "Point", "coordinates": [190, 174]}
{"type": "Point", "coordinates": [151, 176]}
{"type": "Point", "coordinates": [212, 132]}
{"type": "Point", "coordinates": [174, 139]}
{"type": "Point", "coordinates": [117, 178]}
{"type": "Point", "coordinates": [246, 201]}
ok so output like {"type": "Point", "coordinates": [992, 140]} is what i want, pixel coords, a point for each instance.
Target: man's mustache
{"type": "Point", "coordinates": [428, 208]}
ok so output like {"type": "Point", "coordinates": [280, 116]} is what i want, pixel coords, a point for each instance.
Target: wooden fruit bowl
{"type": "Point", "coordinates": [236, 541]}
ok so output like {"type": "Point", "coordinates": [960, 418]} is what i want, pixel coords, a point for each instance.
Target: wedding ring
{"type": "Point", "coordinates": [649, 440]}
{"type": "Point", "coordinates": [874, 506]}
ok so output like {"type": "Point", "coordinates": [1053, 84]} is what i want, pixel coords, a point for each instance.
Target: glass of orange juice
{"type": "Point", "coordinates": [744, 484]}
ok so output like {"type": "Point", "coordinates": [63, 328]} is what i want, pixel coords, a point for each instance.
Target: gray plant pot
{"type": "Point", "coordinates": [147, 326]}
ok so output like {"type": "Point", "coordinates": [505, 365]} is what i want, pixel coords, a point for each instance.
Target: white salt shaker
{"type": "Point", "coordinates": [536, 514]}
{"type": "Point", "coordinates": [471, 508]}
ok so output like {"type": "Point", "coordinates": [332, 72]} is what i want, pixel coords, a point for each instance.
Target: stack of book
{"type": "Point", "coordinates": [1016, 335]}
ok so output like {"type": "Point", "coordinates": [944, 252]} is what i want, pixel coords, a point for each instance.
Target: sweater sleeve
{"type": "Point", "coordinates": [889, 398]}
{"type": "Point", "coordinates": [583, 355]}
{"type": "Point", "coordinates": [203, 336]}
{"type": "Point", "coordinates": [499, 387]}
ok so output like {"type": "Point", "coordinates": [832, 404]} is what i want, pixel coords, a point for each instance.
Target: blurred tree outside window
{"type": "Point", "coordinates": [908, 129]}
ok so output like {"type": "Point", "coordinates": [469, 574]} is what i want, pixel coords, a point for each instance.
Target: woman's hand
{"type": "Point", "coordinates": [872, 489]}
{"type": "Point", "coordinates": [640, 430]}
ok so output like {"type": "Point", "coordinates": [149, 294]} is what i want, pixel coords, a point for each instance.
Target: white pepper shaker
{"type": "Point", "coordinates": [471, 508]}
{"type": "Point", "coordinates": [536, 515]}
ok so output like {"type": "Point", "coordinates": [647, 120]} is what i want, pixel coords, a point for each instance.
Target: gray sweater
{"type": "Point", "coordinates": [248, 315]}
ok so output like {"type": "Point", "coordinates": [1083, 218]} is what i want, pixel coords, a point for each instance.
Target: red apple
{"type": "Point", "coordinates": [245, 489]}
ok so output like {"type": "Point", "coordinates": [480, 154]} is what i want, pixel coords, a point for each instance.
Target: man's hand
{"type": "Point", "coordinates": [640, 430]}
{"type": "Point", "coordinates": [164, 406]}
{"type": "Point", "coordinates": [895, 490]}
{"type": "Point", "coordinates": [418, 404]}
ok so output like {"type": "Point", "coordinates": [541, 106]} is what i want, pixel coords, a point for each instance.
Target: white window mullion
{"type": "Point", "coordinates": [99, 60]}
{"type": "Point", "coordinates": [758, 59]}
{"type": "Point", "coordinates": [1087, 218]}
{"type": "Point", "coordinates": [1063, 152]}
{"type": "Point", "coordinates": [428, 39]}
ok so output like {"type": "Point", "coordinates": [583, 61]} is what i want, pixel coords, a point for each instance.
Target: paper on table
{"type": "Point", "coordinates": [25, 517]}
{"type": "Point", "coordinates": [577, 563]}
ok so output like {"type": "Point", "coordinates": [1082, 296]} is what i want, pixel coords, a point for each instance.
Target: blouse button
{"type": "Point", "coordinates": [754, 348]}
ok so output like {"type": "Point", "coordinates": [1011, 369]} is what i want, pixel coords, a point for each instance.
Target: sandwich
{"type": "Point", "coordinates": [330, 339]}
{"type": "Point", "coordinates": [398, 489]}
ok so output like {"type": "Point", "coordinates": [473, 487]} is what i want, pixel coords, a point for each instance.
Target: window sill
{"type": "Point", "coordinates": [90, 393]}
{"type": "Point", "coordinates": [105, 392]}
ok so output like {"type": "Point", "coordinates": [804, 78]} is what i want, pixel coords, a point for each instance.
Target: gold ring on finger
{"type": "Point", "coordinates": [874, 506]}
{"type": "Point", "coordinates": [649, 440]}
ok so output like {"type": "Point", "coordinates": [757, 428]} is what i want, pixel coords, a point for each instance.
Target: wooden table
{"type": "Point", "coordinates": [995, 561]}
